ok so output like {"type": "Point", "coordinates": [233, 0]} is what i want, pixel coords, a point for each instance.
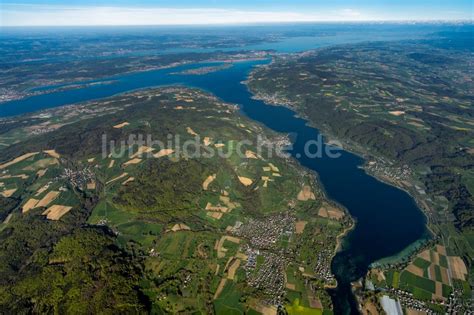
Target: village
{"type": "Point", "coordinates": [269, 254]}
{"type": "Point", "coordinates": [384, 170]}
{"type": "Point", "coordinates": [405, 300]}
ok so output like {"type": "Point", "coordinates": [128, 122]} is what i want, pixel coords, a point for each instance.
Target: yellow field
{"type": "Point", "coordinates": [42, 190]}
{"type": "Point", "coordinates": [52, 153]}
{"type": "Point", "coordinates": [266, 179]}
{"type": "Point", "coordinates": [116, 178]}
{"type": "Point", "coordinates": [208, 181]}
{"type": "Point", "coordinates": [241, 256]}
{"type": "Point", "coordinates": [274, 168]}
{"type": "Point", "coordinates": [163, 152]}
{"type": "Point", "coordinates": [55, 212]}
{"type": "Point", "coordinates": [250, 155]}
{"type": "Point", "coordinates": [232, 269]}
{"type": "Point", "coordinates": [215, 215]}
{"type": "Point", "coordinates": [128, 180]}
{"type": "Point", "coordinates": [220, 287]}
{"type": "Point", "coordinates": [119, 126]}
{"type": "Point", "coordinates": [245, 181]}
{"type": "Point", "coordinates": [41, 173]}
{"type": "Point", "coordinates": [226, 200]}
{"type": "Point", "coordinates": [47, 199]}
{"type": "Point", "coordinates": [180, 227]}
{"type": "Point", "coordinates": [8, 218]}
{"type": "Point", "coordinates": [132, 162]}
{"type": "Point", "coordinates": [8, 193]}
{"type": "Point", "coordinates": [218, 208]}
{"type": "Point", "coordinates": [30, 204]}
{"type": "Point", "coordinates": [141, 150]}
{"type": "Point", "coordinates": [397, 113]}
{"type": "Point", "coordinates": [18, 159]}
{"type": "Point", "coordinates": [191, 132]}
{"type": "Point", "coordinates": [112, 163]}
{"type": "Point", "coordinates": [91, 185]}
{"type": "Point", "coordinates": [207, 141]}
{"type": "Point", "coordinates": [22, 176]}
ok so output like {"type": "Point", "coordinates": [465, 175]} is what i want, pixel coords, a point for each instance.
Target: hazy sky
{"type": "Point", "coordinates": [162, 12]}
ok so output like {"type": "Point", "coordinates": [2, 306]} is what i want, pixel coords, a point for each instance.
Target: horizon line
{"type": "Point", "coordinates": [371, 21]}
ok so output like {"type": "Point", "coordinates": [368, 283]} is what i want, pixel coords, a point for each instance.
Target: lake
{"type": "Point", "coordinates": [388, 219]}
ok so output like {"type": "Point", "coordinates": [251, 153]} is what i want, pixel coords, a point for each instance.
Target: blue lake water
{"type": "Point", "coordinates": [388, 219]}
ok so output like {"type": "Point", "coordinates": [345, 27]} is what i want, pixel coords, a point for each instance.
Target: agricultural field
{"type": "Point", "coordinates": [199, 232]}
{"type": "Point", "coordinates": [432, 276]}
{"type": "Point", "coordinates": [406, 107]}
{"type": "Point", "coordinates": [394, 103]}
{"type": "Point", "coordinates": [403, 95]}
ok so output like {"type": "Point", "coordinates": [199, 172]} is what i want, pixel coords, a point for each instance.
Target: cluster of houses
{"type": "Point", "coordinates": [263, 236]}
{"type": "Point", "coordinates": [407, 300]}
{"type": "Point", "coordinates": [454, 304]}
{"type": "Point", "coordinates": [393, 173]}
{"type": "Point", "coordinates": [322, 268]}
{"type": "Point", "coordinates": [457, 305]}
{"type": "Point", "coordinates": [265, 233]}
{"type": "Point", "coordinates": [79, 178]}
{"type": "Point", "coordinates": [270, 277]}
{"type": "Point", "coordinates": [7, 95]}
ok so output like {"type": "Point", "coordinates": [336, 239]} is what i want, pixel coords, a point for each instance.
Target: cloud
{"type": "Point", "coordinates": [63, 15]}
{"type": "Point", "coordinates": [350, 12]}
{"type": "Point", "coordinates": [40, 15]}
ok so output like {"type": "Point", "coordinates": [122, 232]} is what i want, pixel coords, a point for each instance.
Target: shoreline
{"type": "Point", "coordinates": [27, 93]}
{"type": "Point", "coordinates": [355, 149]}
{"type": "Point", "coordinates": [338, 248]}
{"type": "Point", "coordinates": [365, 156]}
{"type": "Point", "coordinates": [347, 146]}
